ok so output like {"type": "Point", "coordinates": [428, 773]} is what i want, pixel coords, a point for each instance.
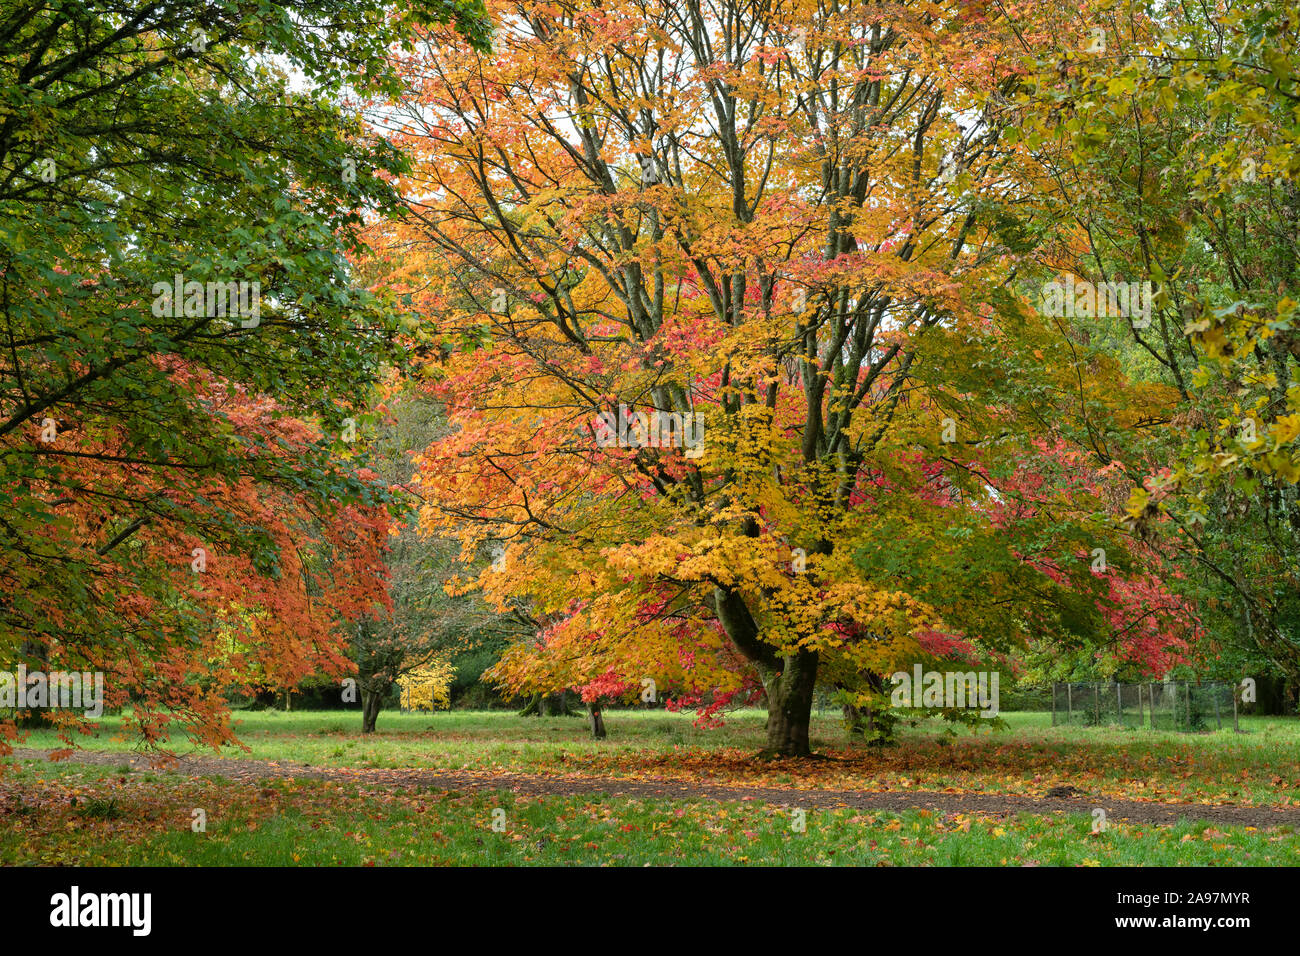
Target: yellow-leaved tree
{"type": "Point", "coordinates": [716, 300]}
{"type": "Point", "coordinates": [427, 687]}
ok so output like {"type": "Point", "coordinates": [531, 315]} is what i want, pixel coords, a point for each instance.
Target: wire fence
{"type": "Point", "coordinates": [1185, 706]}
{"type": "Point", "coordinates": [1171, 705]}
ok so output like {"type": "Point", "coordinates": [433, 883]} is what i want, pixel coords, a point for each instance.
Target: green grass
{"type": "Point", "coordinates": [1257, 766]}
{"type": "Point", "coordinates": [306, 823]}
{"type": "Point", "coordinates": [464, 738]}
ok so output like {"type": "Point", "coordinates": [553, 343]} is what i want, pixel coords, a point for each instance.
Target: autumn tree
{"type": "Point", "coordinates": [423, 623]}
{"type": "Point", "coordinates": [186, 355]}
{"type": "Point", "coordinates": [718, 298]}
{"type": "Point", "coordinates": [1166, 140]}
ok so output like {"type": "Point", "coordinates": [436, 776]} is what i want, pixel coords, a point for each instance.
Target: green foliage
{"type": "Point", "coordinates": [1172, 156]}
{"type": "Point", "coordinates": [212, 140]}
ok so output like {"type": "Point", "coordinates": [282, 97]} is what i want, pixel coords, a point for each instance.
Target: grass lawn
{"type": "Point", "coordinates": [66, 813]}
{"type": "Point", "coordinates": [1260, 765]}
{"type": "Point", "coordinates": [72, 814]}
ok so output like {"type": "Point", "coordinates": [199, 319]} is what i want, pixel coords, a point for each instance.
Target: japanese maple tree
{"type": "Point", "coordinates": [716, 298]}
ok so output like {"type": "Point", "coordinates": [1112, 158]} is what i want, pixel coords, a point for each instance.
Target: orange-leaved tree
{"type": "Point", "coordinates": [224, 580]}
{"type": "Point", "coordinates": [716, 298]}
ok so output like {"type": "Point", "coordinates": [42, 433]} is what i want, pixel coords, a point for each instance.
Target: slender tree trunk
{"type": "Point", "coordinates": [370, 701]}
{"type": "Point", "coordinates": [34, 655]}
{"type": "Point", "coordinates": [866, 720]}
{"type": "Point", "coordinates": [597, 719]}
{"type": "Point", "coordinates": [854, 721]}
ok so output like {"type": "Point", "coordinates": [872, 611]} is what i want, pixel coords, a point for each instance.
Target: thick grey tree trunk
{"type": "Point", "coordinates": [789, 680]}
{"type": "Point", "coordinates": [789, 706]}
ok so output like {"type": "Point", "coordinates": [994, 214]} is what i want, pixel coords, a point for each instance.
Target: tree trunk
{"type": "Point", "coordinates": [35, 659]}
{"type": "Point", "coordinates": [869, 721]}
{"type": "Point", "coordinates": [788, 681]}
{"type": "Point", "coordinates": [597, 721]}
{"type": "Point", "coordinates": [854, 721]}
{"type": "Point", "coordinates": [789, 706]}
{"type": "Point", "coordinates": [370, 701]}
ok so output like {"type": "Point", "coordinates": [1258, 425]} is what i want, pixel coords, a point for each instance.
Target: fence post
{"type": "Point", "coordinates": [1096, 701]}
{"type": "Point", "coordinates": [1187, 689]}
{"type": "Point", "coordinates": [1236, 727]}
{"type": "Point", "coordinates": [1218, 720]}
{"type": "Point", "coordinates": [1119, 701]}
{"type": "Point", "coordinates": [1069, 703]}
{"type": "Point", "coordinates": [1054, 704]}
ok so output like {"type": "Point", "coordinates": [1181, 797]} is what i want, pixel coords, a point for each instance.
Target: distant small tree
{"type": "Point", "coordinates": [427, 687]}
{"type": "Point", "coordinates": [426, 623]}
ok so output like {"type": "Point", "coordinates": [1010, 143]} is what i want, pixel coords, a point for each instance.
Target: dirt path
{"type": "Point", "coordinates": [1134, 811]}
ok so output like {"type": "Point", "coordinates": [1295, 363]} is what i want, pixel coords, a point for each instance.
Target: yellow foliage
{"type": "Point", "coordinates": [428, 687]}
